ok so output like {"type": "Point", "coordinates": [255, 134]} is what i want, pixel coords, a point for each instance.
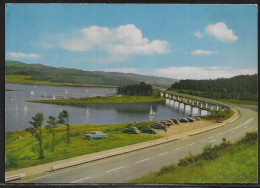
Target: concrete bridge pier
{"type": "Point", "coordinates": [206, 105]}
{"type": "Point", "coordinates": [184, 108]}
{"type": "Point", "coordinates": [199, 111]}
{"type": "Point", "coordinates": [217, 108]}
{"type": "Point", "coordinates": [179, 106]}
{"type": "Point", "coordinates": [161, 94]}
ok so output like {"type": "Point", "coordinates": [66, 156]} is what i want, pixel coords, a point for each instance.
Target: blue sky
{"type": "Point", "coordinates": [176, 41]}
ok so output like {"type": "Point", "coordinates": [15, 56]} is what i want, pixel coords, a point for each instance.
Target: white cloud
{"type": "Point", "coordinates": [221, 32]}
{"type": "Point", "coordinates": [201, 72]}
{"type": "Point", "coordinates": [122, 41]}
{"type": "Point", "coordinates": [203, 52]}
{"type": "Point", "coordinates": [198, 34]}
{"type": "Point", "coordinates": [22, 55]}
{"type": "Point", "coordinates": [123, 70]}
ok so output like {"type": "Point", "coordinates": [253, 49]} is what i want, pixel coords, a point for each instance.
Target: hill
{"type": "Point", "coordinates": [242, 87]}
{"type": "Point", "coordinates": [41, 72]}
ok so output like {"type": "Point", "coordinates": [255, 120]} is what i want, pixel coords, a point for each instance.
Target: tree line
{"type": "Point", "coordinates": [242, 87]}
{"type": "Point", "coordinates": [36, 130]}
{"type": "Point", "coordinates": [142, 89]}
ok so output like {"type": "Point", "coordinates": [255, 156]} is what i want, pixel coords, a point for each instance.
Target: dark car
{"type": "Point", "coordinates": [149, 130]}
{"type": "Point", "coordinates": [159, 126]}
{"type": "Point", "coordinates": [166, 123]}
{"type": "Point", "coordinates": [163, 122]}
{"type": "Point", "coordinates": [131, 130]}
{"type": "Point", "coordinates": [190, 119]}
{"type": "Point", "coordinates": [184, 120]}
{"type": "Point", "coordinates": [175, 121]}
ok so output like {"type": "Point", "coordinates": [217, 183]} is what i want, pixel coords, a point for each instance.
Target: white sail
{"type": "Point", "coordinates": [87, 112]}
{"type": "Point", "coordinates": [25, 108]}
{"type": "Point", "coordinates": [53, 96]}
{"type": "Point", "coordinates": [151, 111]}
{"type": "Point", "coordinates": [32, 93]}
{"type": "Point", "coordinates": [66, 91]}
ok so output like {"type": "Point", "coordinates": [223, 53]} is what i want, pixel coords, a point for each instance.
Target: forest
{"type": "Point", "coordinates": [142, 89]}
{"type": "Point", "coordinates": [242, 87]}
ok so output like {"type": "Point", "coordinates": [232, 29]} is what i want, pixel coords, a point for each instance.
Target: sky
{"type": "Point", "coordinates": [181, 41]}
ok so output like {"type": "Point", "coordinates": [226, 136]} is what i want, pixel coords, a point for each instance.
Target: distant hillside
{"type": "Point", "coordinates": [238, 87]}
{"type": "Point", "coordinates": [75, 76]}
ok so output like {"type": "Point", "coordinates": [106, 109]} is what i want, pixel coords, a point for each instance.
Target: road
{"type": "Point", "coordinates": [119, 169]}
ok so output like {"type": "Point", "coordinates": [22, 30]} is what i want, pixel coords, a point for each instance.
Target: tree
{"type": "Point", "coordinates": [37, 131]}
{"type": "Point", "coordinates": [64, 120]}
{"type": "Point", "coordinates": [51, 126]}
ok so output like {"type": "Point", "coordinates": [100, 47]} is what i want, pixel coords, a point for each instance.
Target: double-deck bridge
{"type": "Point", "coordinates": [192, 101]}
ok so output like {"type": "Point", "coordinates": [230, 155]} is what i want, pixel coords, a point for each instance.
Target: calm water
{"type": "Point", "coordinates": [17, 116]}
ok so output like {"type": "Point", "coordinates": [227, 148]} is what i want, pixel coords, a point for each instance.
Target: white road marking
{"type": "Point", "coordinates": [212, 141]}
{"type": "Point", "coordinates": [143, 160]}
{"type": "Point", "coordinates": [163, 153]}
{"type": "Point", "coordinates": [192, 144]}
{"type": "Point", "coordinates": [179, 148]}
{"type": "Point", "coordinates": [202, 140]}
{"type": "Point", "coordinates": [80, 180]}
{"type": "Point", "coordinates": [116, 169]}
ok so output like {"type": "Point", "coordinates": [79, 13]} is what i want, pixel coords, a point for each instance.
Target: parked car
{"type": "Point", "coordinates": [163, 122]}
{"type": "Point", "coordinates": [184, 120]}
{"type": "Point", "coordinates": [131, 130]}
{"type": "Point", "coordinates": [197, 118]}
{"type": "Point", "coordinates": [175, 121]}
{"type": "Point", "coordinates": [95, 135]}
{"type": "Point", "coordinates": [159, 126]}
{"type": "Point", "coordinates": [166, 123]}
{"type": "Point", "coordinates": [169, 120]}
{"type": "Point", "coordinates": [190, 119]}
{"type": "Point", "coordinates": [149, 130]}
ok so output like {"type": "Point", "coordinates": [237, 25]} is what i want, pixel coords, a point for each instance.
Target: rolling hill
{"type": "Point", "coordinates": [41, 72]}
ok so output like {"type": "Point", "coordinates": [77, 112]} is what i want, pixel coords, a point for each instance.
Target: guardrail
{"type": "Point", "coordinates": [15, 177]}
{"type": "Point", "coordinates": [198, 132]}
{"type": "Point", "coordinates": [56, 167]}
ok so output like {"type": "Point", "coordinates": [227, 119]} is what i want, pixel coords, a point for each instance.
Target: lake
{"type": "Point", "coordinates": [18, 112]}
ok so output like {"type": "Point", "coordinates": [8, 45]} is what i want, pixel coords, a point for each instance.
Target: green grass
{"type": "Point", "coordinates": [28, 79]}
{"type": "Point", "coordinates": [106, 99]}
{"type": "Point", "coordinates": [24, 151]}
{"type": "Point", "coordinates": [236, 163]}
{"type": "Point", "coordinates": [240, 102]}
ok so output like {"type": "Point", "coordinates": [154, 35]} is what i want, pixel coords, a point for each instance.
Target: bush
{"type": "Point", "coordinates": [11, 161]}
{"type": "Point", "coordinates": [166, 169]}
{"type": "Point", "coordinates": [248, 137]}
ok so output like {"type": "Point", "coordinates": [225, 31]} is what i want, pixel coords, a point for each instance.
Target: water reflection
{"type": "Point", "coordinates": [19, 112]}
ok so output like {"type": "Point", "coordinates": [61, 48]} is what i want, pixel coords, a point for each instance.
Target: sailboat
{"type": "Point", "coordinates": [32, 93]}
{"type": "Point", "coordinates": [151, 112]}
{"type": "Point", "coordinates": [66, 91]}
{"type": "Point", "coordinates": [53, 96]}
{"type": "Point", "coordinates": [87, 113]}
{"type": "Point", "coordinates": [25, 108]}
{"type": "Point", "coordinates": [34, 86]}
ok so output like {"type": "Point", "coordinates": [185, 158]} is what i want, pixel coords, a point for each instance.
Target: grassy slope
{"type": "Point", "coordinates": [75, 76]}
{"type": "Point", "coordinates": [23, 149]}
{"type": "Point", "coordinates": [106, 99]}
{"type": "Point", "coordinates": [28, 79]}
{"type": "Point", "coordinates": [236, 164]}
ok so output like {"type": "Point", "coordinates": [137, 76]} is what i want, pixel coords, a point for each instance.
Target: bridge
{"type": "Point", "coordinates": [192, 101]}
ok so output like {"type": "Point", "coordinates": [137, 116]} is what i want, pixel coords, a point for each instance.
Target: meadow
{"type": "Point", "coordinates": [23, 152]}
{"type": "Point", "coordinates": [234, 163]}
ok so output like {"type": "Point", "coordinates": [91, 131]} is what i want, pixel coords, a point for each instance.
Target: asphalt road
{"type": "Point", "coordinates": [119, 169]}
